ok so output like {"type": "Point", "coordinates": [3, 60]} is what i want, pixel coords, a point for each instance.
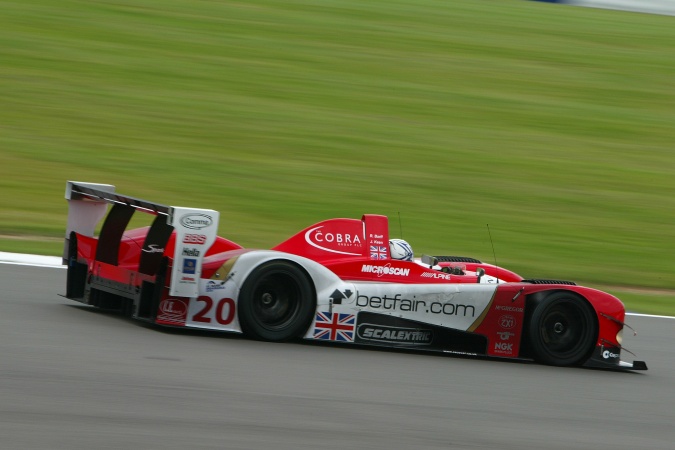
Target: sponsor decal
{"type": "Point", "coordinates": [454, 352]}
{"type": "Point", "coordinates": [190, 252]}
{"type": "Point", "coordinates": [337, 296]}
{"type": "Point", "coordinates": [385, 270]}
{"type": "Point", "coordinates": [153, 248]}
{"type": "Point", "coordinates": [503, 347]}
{"type": "Point", "coordinates": [507, 322]}
{"type": "Point", "coordinates": [187, 280]}
{"type": "Point", "coordinates": [394, 335]}
{"type": "Point", "coordinates": [190, 266]}
{"type": "Point", "coordinates": [439, 275]}
{"type": "Point", "coordinates": [196, 221]}
{"type": "Point", "coordinates": [195, 239]}
{"type": "Point", "coordinates": [509, 308]}
{"type": "Point", "coordinates": [505, 335]}
{"type": "Point", "coordinates": [378, 252]}
{"type": "Point", "coordinates": [172, 310]}
{"type": "Point", "coordinates": [334, 326]}
{"type": "Point", "coordinates": [334, 242]}
{"type": "Point", "coordinates": [398, 303]}
{"type": "Point", "coordinates": [214, 286]}
{"type": "Point", "coordinates": [610, 355]}
{"type": "Point", "coordinates": [392, 329]}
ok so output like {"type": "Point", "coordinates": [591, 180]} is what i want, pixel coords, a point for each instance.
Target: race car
{"type": "Point", "coordinates": [340, 280]}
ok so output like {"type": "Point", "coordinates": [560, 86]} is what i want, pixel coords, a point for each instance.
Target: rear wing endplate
{"type": "Point", "coordinates": [195, 230]}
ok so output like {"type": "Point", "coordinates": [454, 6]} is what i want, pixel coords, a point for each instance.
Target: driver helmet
{"type": "Point", "coordinates": [400, 249]}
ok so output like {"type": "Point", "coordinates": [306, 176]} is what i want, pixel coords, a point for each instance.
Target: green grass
{"type": "Point", "coordinates": [554, 125]}
{"type": "Point", "coordinates": [657, 302]}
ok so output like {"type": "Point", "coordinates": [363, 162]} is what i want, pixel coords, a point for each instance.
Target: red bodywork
{"type": "Point", "coordinates": [344, 246]}
{"type": "Point", "coordinates": [336, 244]}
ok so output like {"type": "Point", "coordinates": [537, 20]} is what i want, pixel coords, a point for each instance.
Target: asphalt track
{"type": "Point", "coordinates": [75, 378]}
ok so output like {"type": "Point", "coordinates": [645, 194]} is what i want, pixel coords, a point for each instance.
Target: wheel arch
{"type": "Point", "coordinates": [277, 299]}
{"type": "Point", "coordinates": [283, 258]}
{"type": "Point", "coordinates": [301, 268]}
{"type": "Point", "coordinates": [533, 300]}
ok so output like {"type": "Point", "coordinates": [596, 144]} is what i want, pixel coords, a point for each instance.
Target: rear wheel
{"type": "Point", "coordinates": [276, 302]}
{"type": "Point", "coordinates": [563, 330]}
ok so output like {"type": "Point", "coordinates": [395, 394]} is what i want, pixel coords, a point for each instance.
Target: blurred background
{"type": "Point", "coordinates": [551, 124]}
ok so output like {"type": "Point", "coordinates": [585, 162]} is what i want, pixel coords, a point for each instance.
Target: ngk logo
{"type": "Point", "coordinates": [196, 239]}
{"type": "Point", "coordinates": [503, 347]}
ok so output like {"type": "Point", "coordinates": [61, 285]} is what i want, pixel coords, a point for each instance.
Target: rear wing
{"type": "Point", "coordinates": [88, 204]}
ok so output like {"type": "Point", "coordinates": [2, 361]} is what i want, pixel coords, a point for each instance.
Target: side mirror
{"type": "Point", "coordinates": [480, 272]}
{"type": "Point", "coordinates": [431, 261]}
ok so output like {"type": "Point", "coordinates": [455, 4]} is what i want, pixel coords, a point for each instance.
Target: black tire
{"type": "Point", "coordinates": [276, 302]}
{"type": "Point", "coordinates": [563, 330]}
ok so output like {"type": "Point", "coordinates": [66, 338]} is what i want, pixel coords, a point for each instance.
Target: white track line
{"type": "Point", "coordinates": [21, 259]}
{"type": "Point", "coordinates": [649, 315]}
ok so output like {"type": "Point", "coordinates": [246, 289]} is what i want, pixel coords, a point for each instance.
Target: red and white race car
{"type": "Point", "coordinates": [339, 280]}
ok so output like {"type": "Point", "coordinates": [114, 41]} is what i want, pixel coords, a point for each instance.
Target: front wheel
{"type": "Point", "coordinates": [563, 330]}
{"type": "Point", "coordinates": [276, 302]}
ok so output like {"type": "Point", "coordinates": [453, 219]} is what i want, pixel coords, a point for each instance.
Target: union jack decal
{"type": "Point", "coordinates": [377, 252]}
{"type": "Point", "coordinates": [335, 326]}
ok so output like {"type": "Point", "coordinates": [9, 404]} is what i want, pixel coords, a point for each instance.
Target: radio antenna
{"type": "Point", "coordinates": [400, 225]}
{"type": "Point", "coordinates": [494, 254]}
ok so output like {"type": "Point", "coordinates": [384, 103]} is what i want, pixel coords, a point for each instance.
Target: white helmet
{"type": "Point", "coordinates": [400, 249]}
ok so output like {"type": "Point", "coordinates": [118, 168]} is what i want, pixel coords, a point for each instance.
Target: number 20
{"type": "Point", "coordinates": [201, 316]}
